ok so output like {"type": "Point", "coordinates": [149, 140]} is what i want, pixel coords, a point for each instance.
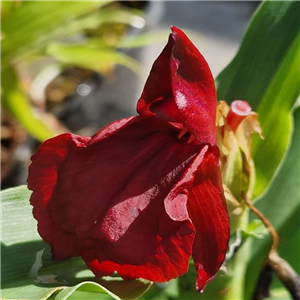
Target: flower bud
{"type": "Point", "coordinates": [235, 127]}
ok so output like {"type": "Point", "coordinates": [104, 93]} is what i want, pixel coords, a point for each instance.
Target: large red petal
{"type": "Point", "coordinates": [180, 88]}
{"type": "Point", "coordinates": [108, 196]}
{"type": "Point", "coordinates": [43, 178]}
{"type": "Point", "coordinates": [207, 209]}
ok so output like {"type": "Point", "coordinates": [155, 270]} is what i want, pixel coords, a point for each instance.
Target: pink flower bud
{"type": "Point", "coordinates": [239, 110]}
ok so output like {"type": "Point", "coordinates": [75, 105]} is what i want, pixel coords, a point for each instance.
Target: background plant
{"type": "Point", "coordinates": [52, 35]}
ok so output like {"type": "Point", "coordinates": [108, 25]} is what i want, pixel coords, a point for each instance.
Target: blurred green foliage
{"type": "Point", "coordinates": [68, 33]}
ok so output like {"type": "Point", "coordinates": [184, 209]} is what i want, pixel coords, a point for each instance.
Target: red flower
{"type": "Point", "coordinates": [144, 193]}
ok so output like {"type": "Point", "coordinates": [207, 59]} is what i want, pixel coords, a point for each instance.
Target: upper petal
{"type": "Point", "coordinates": [108, 196]}
{"type": "Point", "coordinates": [208, 211]}
{"type": "Point", "coordinates": [180, 88]}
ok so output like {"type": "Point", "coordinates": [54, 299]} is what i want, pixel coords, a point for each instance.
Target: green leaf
{"type": "Point", "coordinates": [33, 23]}
{"type": "Point", "coordinates": [265, 72]}
{"type": "Point", "coordinates": [126, 290]}
{"type": "Point", "coordinates": [281, 205]}
{"type": "Point", "coordinates": [276, 108]}
{"type": "Point", "coordinates": [92, 58]}
{"type": "Point", "coordinates": [255, 229]}
{"type": "Point", "coordinates": [86, 290]}
{"type": "Point", "coordinates": [17, 104]}
{"type": "Point", "coordinates": [19, 244]}
{"type": "Point", "coordinates": [28, 271]}
{"type": "Point", "coordinates": [107, 16]}
{"type": "Point", "coordinates": [163, 291]}
{"type": "Point", "coordinates": [6, 7]}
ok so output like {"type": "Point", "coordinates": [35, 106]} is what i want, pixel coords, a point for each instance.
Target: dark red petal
{"type": "Point", "coordinates": [43, 178]}
{"type": "Point", "coordinates": [108, 130]}
{"type": "Point", "coordinates": [193, 89]}
{"type": "Point", "coordinates": [158, 86]}
{"type": "Point", "coordinates": [208, 212]}
{"type": "Point", "coordinates": [108, 195]}
{"type": "Point", "coordinates": [176, 201]}
{"type": "Point", "coordinates": [180, 88]}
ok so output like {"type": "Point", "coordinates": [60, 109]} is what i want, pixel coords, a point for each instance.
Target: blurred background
{"type": "Point", "coordinates": [77, 66]}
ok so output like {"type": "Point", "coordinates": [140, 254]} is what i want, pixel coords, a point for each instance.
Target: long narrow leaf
{"type": "Point", "coordinates": [275, 113]}
{"type": "Point", "coordinates": [92, 58]}
{"type": "Point", "coordinates": [281, 205]}
{"type": "Point", "coordinates": [265, 72]}
{"type": "Point", "coordinates": [17, 104]}
{"type": "Point", "coordinates": [33, 22]}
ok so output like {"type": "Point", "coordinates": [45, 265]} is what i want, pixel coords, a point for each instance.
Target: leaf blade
{"type": "Point", "coordinates": [92, 58]}
{"type": "Point", "coordinates": [261, 70]}
{"type": "Point", "coordinates": [17, 104]}
{"type": "Point", "coordinates": [281, 205]}
{"type": "Point", "coordinates": [31, 23]}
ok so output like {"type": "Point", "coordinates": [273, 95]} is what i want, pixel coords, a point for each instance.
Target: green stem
{"type": "Point", "coordinates": [237, 266]}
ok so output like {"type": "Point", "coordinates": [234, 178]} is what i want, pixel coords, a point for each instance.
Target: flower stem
{"type": "Point", "coordinates": [237, 266]}
{"type": "Point", "coordinates": [265, 221]}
